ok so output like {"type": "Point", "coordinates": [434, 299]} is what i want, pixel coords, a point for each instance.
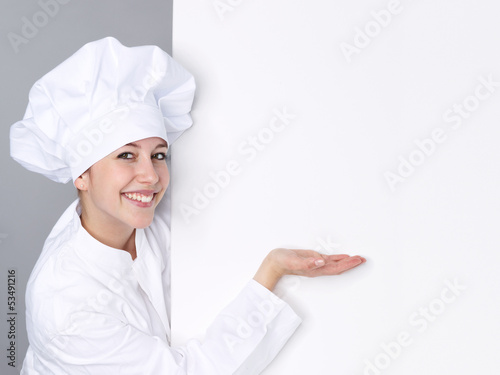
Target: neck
{"type": "Point", "coordinates": [116, 237]}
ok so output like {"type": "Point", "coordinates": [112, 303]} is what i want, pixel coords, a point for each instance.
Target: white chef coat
{"type": "Point", "coordinates": [91, 309]}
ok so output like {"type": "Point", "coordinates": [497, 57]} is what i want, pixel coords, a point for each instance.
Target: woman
{"type": "Point", "coordinates": [98, 299]}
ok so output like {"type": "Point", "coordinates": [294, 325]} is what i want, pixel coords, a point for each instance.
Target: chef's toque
{"type": "Point", "coordinates": [101, 98]}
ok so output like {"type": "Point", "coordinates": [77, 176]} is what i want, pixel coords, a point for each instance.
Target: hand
{"type": "Point", "coordinates": [309, 263]}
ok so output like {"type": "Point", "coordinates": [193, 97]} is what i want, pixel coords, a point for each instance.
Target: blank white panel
{"type": "Point", "coordinates": [419, 103]}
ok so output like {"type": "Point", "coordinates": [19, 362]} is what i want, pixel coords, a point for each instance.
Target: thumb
{"type": "Point", "coordinates": [316, 263]}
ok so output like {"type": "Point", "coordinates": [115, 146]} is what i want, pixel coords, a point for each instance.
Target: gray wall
{"type": "Point", "coordinates": [31, 204]}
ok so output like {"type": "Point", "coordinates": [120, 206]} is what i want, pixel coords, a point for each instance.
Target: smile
{"type": "Point", "coordinates": [139, 197]}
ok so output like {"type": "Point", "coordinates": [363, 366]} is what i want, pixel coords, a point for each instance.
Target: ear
{"type": "Point", "coordinates": [81, 183]}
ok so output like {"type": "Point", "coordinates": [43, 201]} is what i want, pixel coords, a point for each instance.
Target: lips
{"type": "Point", "coordinates": [139, 197]}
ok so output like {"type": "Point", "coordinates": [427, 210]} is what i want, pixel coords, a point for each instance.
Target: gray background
{"type": "Point", "coordinates": [31, 203]}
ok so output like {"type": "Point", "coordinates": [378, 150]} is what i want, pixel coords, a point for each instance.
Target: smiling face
{"type": "Point", "coordinates": [121, 191]}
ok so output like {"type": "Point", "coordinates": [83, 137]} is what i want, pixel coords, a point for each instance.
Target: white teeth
{"type": "Point", "coordinates": [140, 197]}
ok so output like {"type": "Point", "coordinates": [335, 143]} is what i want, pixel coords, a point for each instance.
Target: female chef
{"type": "Point", "coordinates": [98, 299]}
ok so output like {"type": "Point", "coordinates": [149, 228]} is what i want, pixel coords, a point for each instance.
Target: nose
{"type": "Point", "coordinates": [146, 172]}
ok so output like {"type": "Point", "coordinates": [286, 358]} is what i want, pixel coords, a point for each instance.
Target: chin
{"type": "Point", "coordinates": [141, 223]}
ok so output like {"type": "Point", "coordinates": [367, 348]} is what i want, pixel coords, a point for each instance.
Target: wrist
{"type": "Point", "coordinates": [268, 273]}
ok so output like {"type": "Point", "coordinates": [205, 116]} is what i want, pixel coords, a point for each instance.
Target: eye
{"type": "Point", "coordinates": [160, 156]}
{"type": "Point", "coordinates": [125, 155]}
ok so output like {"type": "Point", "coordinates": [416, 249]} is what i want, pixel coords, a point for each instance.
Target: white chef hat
{"type": "Point", "coordinates": [102, 97]}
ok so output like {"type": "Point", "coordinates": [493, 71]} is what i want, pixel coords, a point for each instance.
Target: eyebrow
{"type": "Point", "coordinates": [138, 146]}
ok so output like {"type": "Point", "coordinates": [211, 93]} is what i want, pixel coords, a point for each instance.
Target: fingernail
{"type": "Point", "coordinates": [319, 262]}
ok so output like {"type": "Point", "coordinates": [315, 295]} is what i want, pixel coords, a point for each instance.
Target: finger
{"type": "Point", "coordinates": [306, 253]}
{"type": "Point", "coordinates": [315, 262]}
{"type": "Point", "coordinates": [347, 264]}
{"type": "Point", "coordinates": [338, 267]}
{"type": "Point", "coordinates": [319, 262]}
{"type": "Point", "coordinates": [344, 256]}
{"type": "Point", "coordinates": [304, 265]}
{"type": "Point", "coordinates": [336, 257]}
{"type": "Point", "coordinates": [313, 258]}
{"type": "Point", "coordinates": [312, 253]}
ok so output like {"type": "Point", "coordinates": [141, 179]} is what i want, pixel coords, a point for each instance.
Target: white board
{"type": "Point", "coordinates": [388, 148]}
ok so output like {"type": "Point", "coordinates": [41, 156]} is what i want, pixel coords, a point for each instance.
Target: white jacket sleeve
{"type": "Point", "coordinates": [243, 339]}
